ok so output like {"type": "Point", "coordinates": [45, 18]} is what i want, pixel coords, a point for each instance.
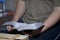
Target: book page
{"type": "Point", "coordinates": [24, 26]}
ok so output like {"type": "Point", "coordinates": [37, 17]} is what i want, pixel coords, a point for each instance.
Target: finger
{"type": "Point", "coordinates": [9, 28]}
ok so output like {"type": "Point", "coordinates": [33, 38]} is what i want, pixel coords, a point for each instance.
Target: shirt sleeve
{"type": "Point", "coordinates": [56, 3]}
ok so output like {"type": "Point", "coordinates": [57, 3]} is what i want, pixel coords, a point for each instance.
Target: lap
{"type": "Point", "coordinates": [50, 34]}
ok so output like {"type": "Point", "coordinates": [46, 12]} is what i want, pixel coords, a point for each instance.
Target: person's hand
{"type": "Point", "coordinates": [9, 28]}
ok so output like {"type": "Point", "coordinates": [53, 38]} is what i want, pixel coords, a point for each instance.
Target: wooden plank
{"type": "Point", "coordinates": [23, 37]}
{"type": "Point", "coordinates": [3, 39]}
{"type": "Point", "coordinates": [13, 37]}
{"type": "Point", "coordinates": [3, 35]}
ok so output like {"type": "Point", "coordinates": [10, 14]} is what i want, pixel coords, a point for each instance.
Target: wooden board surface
{"type": "Point", "coordinates": [3, 39]}
{"type": "Point", "coordinates": [4, 36]}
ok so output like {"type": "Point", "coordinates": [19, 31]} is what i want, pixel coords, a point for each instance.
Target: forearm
{"type": "Point", "coordinates": [20, 9]}
{"type": "Point", "coordinates": [52, 19]}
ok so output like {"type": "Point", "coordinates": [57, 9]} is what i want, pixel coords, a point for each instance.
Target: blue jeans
{"type": "Point", "coordinates": [50, 34]}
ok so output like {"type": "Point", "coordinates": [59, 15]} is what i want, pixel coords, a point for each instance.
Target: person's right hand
{"type": "Point", "coordinates": [9, 28]}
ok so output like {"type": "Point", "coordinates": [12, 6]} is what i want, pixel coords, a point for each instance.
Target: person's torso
{"type": "Point", "coordinates": [37, 10]}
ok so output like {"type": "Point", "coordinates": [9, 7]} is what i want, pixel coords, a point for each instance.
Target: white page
{"type": "Point", "coordinates": [24, 26]}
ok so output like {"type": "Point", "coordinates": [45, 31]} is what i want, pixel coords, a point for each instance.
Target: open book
{"type": "Point", "coordinates": [24, 26]}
